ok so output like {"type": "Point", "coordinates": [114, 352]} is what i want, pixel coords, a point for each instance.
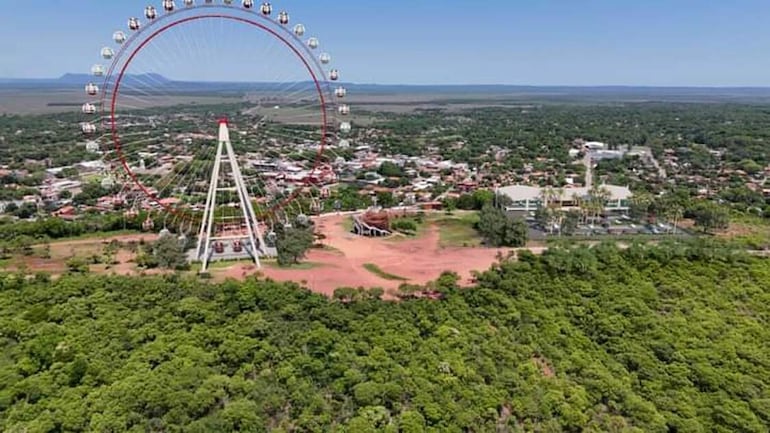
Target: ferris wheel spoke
{"type": "Point", "coordinates": [144, 81]}
{"type": "Point", "coordinates": [149, 68]}
{"type": "Point", "coordinates": [197, 168]}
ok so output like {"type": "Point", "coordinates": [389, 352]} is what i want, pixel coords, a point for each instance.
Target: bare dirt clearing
{"type": "Point", "coordinates": [345, 261]}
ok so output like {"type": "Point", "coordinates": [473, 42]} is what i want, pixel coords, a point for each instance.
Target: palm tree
{"type": "Point", "coordinates": [547, 196]}
{"type": "Point", "coordinates": [673, 212]}
{"type": "Point", "coordinates": [598, 197]}
{"type": "Point", "coordinates": [677, 214]}
{"type": "Point", "coordinates": [581, 204]}
{"type": "Point", "coordinates": [642, 200]}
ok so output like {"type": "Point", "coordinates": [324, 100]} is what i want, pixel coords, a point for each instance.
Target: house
{"type": "Point", "coordinates": [467, 185]}
{"type": "Point", "coordinates": [431, 205]}
{"type": "Point", "coordinates": [67, 213]}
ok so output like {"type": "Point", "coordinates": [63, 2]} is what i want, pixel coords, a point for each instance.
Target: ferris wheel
{"type": "Point", "coordinates": [217, 119]}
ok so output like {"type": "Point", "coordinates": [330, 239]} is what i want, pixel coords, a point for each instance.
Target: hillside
{"type": "Point", "coordinates": [650, 339]}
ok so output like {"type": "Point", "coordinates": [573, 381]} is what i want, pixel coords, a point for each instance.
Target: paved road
{"type": "Point", "coordinates": [661, 171]}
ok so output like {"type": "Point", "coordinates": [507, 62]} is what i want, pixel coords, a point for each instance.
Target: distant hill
{"type": "Point", "coordinates": [72, 80]}
{"type": "Point", "coordinates": [83, 79]}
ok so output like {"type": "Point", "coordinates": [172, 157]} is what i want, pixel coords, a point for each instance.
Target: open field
{"type": "Point", "coordinates": [442, 243]}
{"type": "Point", "coordinates": [33, 101]}
{"type": "Point", "coordinates": [59, 252]}
{"type": "Point", "coordinates": [752, 231]}
{"type": "Point", "coordinates": [46, 96]}
{"type": "Point", "coordinates": [457, 230]}
{"type": "Point", "coordinates": [346, 260]}
{"type": "Point", "coordinates": [417, 259]}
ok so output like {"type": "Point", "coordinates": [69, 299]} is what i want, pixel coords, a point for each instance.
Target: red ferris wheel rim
{"type": "Point", "coordinates": [116, 91]}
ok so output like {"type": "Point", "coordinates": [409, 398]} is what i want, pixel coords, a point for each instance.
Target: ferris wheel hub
{"type": "Point", "coordinates": [224, 133]}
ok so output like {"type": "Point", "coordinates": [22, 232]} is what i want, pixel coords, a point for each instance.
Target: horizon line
{"type": "Point", "coordinates": [638, 86]}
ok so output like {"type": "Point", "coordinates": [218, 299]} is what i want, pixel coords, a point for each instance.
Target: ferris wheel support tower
{"type": "Point", "coordinates": [226, 177]}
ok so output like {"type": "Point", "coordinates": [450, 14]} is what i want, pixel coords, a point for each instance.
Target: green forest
{"type": "Point", "coordinates": [667, 338]}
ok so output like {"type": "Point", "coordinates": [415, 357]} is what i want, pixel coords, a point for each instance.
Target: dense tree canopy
{"type": "Point", "coordinates": [500, 230]}
{"type": "Point", "coordinates": [650, 339]}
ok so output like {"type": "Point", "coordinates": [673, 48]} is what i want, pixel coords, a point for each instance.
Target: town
{"type": "Point", "coordinates": [432, 171]}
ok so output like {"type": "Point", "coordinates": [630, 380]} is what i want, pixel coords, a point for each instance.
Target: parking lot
{"type": "Point", "coordinates": [617, 225]}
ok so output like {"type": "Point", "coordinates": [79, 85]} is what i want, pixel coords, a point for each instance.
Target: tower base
{"type": "Point", "coordinates": [233, 239]}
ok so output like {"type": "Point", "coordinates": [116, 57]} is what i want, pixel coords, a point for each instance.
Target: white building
{"type": "Point", "coordinates": [527, 198]}
{"type": "Point", "coordinates": [595, 145]}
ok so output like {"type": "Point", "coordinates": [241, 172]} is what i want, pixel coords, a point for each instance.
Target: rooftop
{"type": "Point", "coordinates": [527, 192]}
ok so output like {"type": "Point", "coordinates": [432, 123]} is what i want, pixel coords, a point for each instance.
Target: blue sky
{"type": "Point", "coordinates": [537, 42]}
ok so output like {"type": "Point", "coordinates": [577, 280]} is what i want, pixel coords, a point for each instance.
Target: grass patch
{"type": "Point", "coordinates": [222, 264]}
{"type": "Point", "coordinates": [97, 235]}
{"type": "Point", "coordinates": [331, 249]}
{"type": "Point", "coordinates": [297, 266]}
{"type": "Point", "coordinates": [458, 230]}
{"type": "Point", "coordinates": [347, 224]}
{"type": "Point", "coordinates": [748, 231]}
{"type": "Point", "coordinates": [407, 227]}
{"type": "Point", "coordinates": [371, 267]}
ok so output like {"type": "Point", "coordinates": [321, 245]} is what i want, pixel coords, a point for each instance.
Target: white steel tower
{"type": "Point", "coordinates": [230, 236]}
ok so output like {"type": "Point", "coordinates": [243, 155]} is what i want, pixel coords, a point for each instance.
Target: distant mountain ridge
{"type": "Point", "coordinates": [74, 80]}
{"type": "Point", "coordinates": [86, 78]}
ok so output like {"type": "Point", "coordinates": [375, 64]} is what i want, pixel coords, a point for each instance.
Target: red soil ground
{"type": "Point", "coordinates": [418, 260]}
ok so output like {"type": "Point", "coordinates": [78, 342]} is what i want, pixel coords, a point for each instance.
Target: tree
{"type": "Point", "coordinates": [673, 212]}
{"type": "Point", "coordinates": [639, 208]}
{"type": "Point", "coordinates": [750, 166]}
{"type": "Point", "coordinates": [407, 225]}
{"type": "Point", "coordinates": [544, 217]}
{"type": "Point", "coordinates": [170, 253]}
{"type": "Point", "coordinates": [292, 244]}
{"type": "Point", "coordinates": [449, 204]}
{"type": "Point", "coordinates": [167, 252]}
{"type": "Point", "coordinates": [498, 229]}
{"type": "Point", "coordinates": [46, 251]}
{"type": "Point", "coordinates": [579, 330]}
{"type": "Point", "coordinates": [26, 210]}
{"type": "Point", "coordinates": [90, 194]}
{"type": "Point", "coordinates": [110, 250]}
{"type": "Point", "coordinates": [598, 196]}
{"type": "Point", "coordinates": [710, 216]}
{"type": "Point", "coordinates": [390, 169]}
{"type": "Point", "coordinates": [385, 199]}
{"type": "Point", "coordinates": [77, 265]}
{"type": "Point", "coordinates": [570, 222]}
{"type": "Point", "coordinates": [464, 201]}
{"type": "Point", "coordinates": [11, 208]}
{"type": "Point", "coordinates": [580, 202]}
